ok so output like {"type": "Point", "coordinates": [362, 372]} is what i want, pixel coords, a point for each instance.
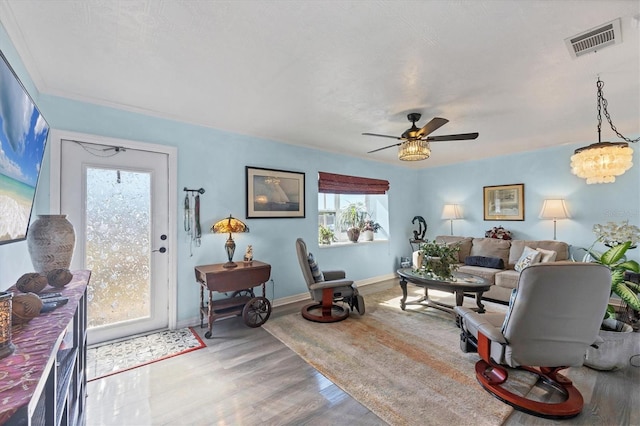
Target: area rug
{"type": "Point", "coordinates": [405, 366]}
{"type": "Point", "coordinates": [107, 360]}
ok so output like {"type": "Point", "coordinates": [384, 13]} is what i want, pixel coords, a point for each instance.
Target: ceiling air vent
{"type": "Point", "coordinates": [594, 39]}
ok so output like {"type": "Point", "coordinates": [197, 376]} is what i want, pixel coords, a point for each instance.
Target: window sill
{"type": "Point", "coordinates": [350, 244]}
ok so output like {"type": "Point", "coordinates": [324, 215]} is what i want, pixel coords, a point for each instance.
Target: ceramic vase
{"type": "Point", "coordinates": [50, 241]}
{"type": "Point", "coordinates": [353, 234]}
{"type": "Point", "coordinates": [367, 235]}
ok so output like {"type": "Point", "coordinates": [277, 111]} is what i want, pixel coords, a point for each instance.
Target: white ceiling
{"type": "Point", "coordinates": [320, 73]}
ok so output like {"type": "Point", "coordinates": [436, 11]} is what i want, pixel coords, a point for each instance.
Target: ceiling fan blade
{"type": "Point", "coordinates": [385, 147]}
{"type": "Point", "coordinates": [382, 136]}
{"type": "Point", "coordinates": [460, 137]}
{"type": "Point", "coordinates": [431, 126]}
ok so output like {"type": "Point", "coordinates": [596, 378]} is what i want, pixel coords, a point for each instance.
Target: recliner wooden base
{"type": "Point", "coordinates": [325, 311]}
{"type": "Point", "coordinates": [318, 313]}
{"type": "Point", "coordinates": [491, 376]}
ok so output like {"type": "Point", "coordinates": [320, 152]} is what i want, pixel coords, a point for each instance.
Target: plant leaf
{"type": "Point", "coordinates": [633, 286]}
{"type": "Point", "coordinates": [610, 312]}
{"type": "Point", "coordinates": [629, 265]}
{"type": "Point", "coordinates": [594, 254]}
{"type": "Point", "coordinates": [626, 294]}
{"type": "Point", "coordinates": [617, 276]}
{"type": "Point", "coordinates": [615, 253]}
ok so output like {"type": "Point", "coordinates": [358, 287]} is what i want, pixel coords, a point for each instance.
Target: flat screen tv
{"type": "Point", "coordinates": [23, 136]}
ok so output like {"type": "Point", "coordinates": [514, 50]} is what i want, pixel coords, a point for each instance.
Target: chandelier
{"type": "Point", "coordinates": [601, 162]}
{"type": "Point", "coordinates": [414, 150]}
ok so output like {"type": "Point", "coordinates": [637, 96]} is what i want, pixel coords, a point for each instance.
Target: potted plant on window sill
{"type": "Point", "coordinates": [325, 235]}
{"type": "Point", "coordinates": [611, 355]}
{"type": "Point", "coordinates": [370, 227]}
{"type": "Point", "coordinates": [351, 219]}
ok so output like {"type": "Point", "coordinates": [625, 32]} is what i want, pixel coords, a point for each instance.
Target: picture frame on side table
{"type": "Point", "coordinates": [504, 202]}
{"type": "Point", "coordinates": [274, 193]}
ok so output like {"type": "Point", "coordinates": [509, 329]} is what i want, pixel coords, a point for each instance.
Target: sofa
{"type": "Point", "coordinates": [475, 252]}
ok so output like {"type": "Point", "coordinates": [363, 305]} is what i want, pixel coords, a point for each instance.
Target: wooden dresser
{"type": "Point", "coordinates": [44, 381]}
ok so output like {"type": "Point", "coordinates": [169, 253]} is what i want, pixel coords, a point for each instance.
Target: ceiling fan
{"type": "Point", "coordinates": [414, 142]}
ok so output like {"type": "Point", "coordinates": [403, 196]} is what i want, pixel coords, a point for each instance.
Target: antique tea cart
{"type": "Point", "coordinates": [240, 281]}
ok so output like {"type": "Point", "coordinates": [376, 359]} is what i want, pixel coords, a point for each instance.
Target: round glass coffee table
{"type": "Point", "coordinates": [460, 284]}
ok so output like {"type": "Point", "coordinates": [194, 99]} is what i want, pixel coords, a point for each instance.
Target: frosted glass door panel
{"type": "Point", "coordinates": [117, 200]}
{"type": "Point", "coordinates": [118, 245]}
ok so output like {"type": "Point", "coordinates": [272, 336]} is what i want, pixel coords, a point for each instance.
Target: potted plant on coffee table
{"type": "Point", "coordinates": [439, 260]}
{"type": "Point", "coordinates": [351, 219]}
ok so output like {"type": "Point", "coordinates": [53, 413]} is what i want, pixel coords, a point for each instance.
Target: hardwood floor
{"type": "Point", "coordinates": [245, 376]}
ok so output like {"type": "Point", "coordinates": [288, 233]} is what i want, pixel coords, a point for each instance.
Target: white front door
{"type": "Point", "coordinates": [117, 198]}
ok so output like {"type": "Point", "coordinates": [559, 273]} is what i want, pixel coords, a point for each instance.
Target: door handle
{"type": "Point", "coordinates": [161, 250]}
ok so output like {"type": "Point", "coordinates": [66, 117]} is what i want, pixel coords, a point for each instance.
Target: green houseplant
{"type": "Point", "coordinates": [326, 235]}
{"type": "Point", "coordinates": [439, 260]}
{"type": "Point", "coordinates": [611, 354]}
{"type": "Point", "coordinates": [351, 219]}
{"type": "Point", "coordinates": [615, 259]}
{"type": "Point", "coordinates": [370, 227]}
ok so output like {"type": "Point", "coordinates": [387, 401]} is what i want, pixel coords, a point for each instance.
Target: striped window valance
{"type": "Point", "coordinates": [343, 184]}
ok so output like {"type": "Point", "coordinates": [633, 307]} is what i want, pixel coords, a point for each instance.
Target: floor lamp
{"type": "Point", "coordinates": [554, 209]}
{"type": "Point", "coordinates": [451, 212]}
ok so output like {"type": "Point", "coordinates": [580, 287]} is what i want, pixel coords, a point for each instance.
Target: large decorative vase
{"type": "Point", "coordinates": [614, 352]}
{"type": "Point", "coordinates": [51, 240]}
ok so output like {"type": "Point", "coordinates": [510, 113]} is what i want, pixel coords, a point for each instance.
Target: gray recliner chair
{"type": "Point", "coordinates": [554, 316]}
{"type": "Point", "coordinates": [331, 288]}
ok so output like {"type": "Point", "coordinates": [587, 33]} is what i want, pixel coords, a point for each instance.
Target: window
{"type": "Point", "coordinates": [376, 207]}
{"type": "Point", "coordinates": [366, 197]}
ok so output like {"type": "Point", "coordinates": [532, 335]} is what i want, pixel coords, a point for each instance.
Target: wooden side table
{"type": "Point", "coordinates": [240, 280]}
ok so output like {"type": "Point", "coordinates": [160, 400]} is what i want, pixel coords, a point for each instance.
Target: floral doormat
{"type": "Point", "coordinates": [113, 358]}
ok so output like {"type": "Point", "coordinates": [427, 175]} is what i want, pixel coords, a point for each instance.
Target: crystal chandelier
{"type": "Point", "coordinates": [414, 150]}
{"type": "Point", "coordinates": [601, 162]}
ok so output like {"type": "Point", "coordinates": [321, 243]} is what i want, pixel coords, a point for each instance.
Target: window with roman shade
{"type": "Point", "coordinates": [336, 192]}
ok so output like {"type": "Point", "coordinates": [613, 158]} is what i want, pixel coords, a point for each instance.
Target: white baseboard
{"type": "Point", "coordinates": [283, 301]}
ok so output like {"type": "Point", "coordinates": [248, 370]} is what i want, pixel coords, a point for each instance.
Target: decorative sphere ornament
{"type": "Point", "coordinates": [25, 308]}
{"type": "Point", "coordinates": [58, 278]}
{"type": "Point", "coordinates": [31, 282]}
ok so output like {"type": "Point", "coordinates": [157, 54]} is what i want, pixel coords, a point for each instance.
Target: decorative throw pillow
{"type": "Point", "coordinates": [484, 261]}
{"type": "Point", "coordinates": [529, 257]}
{"type": "Point", "coordinates": [547, 255]}
{"type": "Point", "coordinates": [318, 276]}
{"type": "Point", "coordinates": [506, 317]}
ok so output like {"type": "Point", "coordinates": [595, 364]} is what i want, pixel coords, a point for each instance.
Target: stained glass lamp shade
{"type": "Point", "coordinates": [229, 225]}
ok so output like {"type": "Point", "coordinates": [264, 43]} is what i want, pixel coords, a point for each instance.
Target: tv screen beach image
{"type": "Point", "coordinates": [23, 135]}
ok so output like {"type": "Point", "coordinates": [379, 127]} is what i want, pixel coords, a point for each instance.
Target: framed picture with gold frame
{"type": "Point", "coordinates": [504, 202]}
{"type": "Point", "coordinates": [274, 193]}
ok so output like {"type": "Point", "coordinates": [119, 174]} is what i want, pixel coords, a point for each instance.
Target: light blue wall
{"type": "Point", "coordinates": [545, 174]}
{"type": "Point", "coordinates": [216, 161]}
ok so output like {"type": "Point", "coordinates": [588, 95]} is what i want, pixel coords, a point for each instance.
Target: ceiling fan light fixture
{"type": "Point", "coordinates": [414, 150]}
{"type": "Point", "coordinates": [602, 162]}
